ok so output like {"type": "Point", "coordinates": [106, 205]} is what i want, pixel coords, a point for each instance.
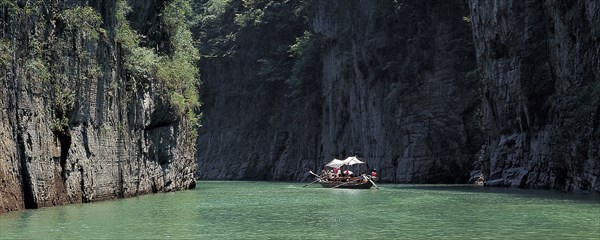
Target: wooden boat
{"type": "Point", "coordinates": [328, 179]}
{"type": "Point", "coordinates": [360, 184]}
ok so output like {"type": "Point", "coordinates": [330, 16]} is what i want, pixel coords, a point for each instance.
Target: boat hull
{"type": "Point", "coordinates": [331, 184]}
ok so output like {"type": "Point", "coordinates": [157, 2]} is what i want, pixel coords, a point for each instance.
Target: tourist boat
{"type": "Point", "coordinates": [352, 184]}
{"type": "Point", "coordinates": [328, 179]}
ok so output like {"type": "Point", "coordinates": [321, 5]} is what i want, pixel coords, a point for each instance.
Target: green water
{"type": "Point", "coordinates": [226, 210]}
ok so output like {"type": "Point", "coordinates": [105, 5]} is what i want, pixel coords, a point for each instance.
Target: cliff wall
{"type": "Point", "coordinates": [74, 125]}
{"type": "Point", "coordinates": [252, 127]}
{"type": "Point", "coordinates": [387, 81]}
{"type": "Point", "coordinates": [396, 90]}
{"type": "Point", "coordinates": [539, 62]}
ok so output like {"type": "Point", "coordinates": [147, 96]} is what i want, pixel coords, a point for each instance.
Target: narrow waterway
{"type": "Point", "coordinates": [225, 210]}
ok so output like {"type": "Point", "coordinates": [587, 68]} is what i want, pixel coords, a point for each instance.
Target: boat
{"type": "Point", "coordinates": [351, 184]}
{"type": "Point", "coordinates": [332, 176]}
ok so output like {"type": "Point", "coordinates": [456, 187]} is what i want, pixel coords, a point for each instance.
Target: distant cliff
{"type": "Point", "coordinates": [78, 122]}
{"type": "Point", "coordinates": [540, 65]}
{"type": "Point", "coordinates": [425, 91]}
{"type": "Point", "coordinates": [388, 81]}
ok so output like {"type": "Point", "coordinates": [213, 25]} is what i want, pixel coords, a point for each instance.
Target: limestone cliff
{"type": "Point", "coordinates": [539, 62]}
{"type": "Point", "coordinates": [252, 128]}
{"type": "Point", "coordinates": [74, 126]}
{"type": "Point", "coordinates": [389, 81]}
{"type": "Point", "coordinates": [397, 83]}
{"type": "Point", "coordinates": [396, 88]}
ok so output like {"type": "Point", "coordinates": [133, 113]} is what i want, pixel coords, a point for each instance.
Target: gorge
{"type": "Point", "coordinates": [99, 98]}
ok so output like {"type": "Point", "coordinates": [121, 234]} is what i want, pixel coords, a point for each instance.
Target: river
{"type": "Point", "coordinates": [276, 210]}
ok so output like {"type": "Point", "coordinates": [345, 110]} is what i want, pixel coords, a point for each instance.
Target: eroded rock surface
{"type": "Point", "coordinates": [539, 62]}
{"type": "Point", "coordinates": [392, 86]}
{"type": "Point", "coordinates": [83, 134]}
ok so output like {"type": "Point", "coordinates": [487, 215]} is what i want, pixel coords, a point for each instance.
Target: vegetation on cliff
{"type": "Point", "coordinates": [174, 68]}
{"type": "Point", "coordinates": [90, 96]}
{"type": "Point", "coordinates": [283, 53]}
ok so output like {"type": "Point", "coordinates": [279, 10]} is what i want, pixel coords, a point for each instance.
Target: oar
{"type": "Point", "coordinates": [311, 182]}
{"type": "Point", "coordinates": [373, 182]}
{"type": "Point", "coordinates": [345, 183]}
{"type": "Point", "coordinates": [314, 174]}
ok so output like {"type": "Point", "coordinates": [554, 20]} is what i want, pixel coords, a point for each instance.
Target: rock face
{"type": "Point", "coordinates": [539, 62]}
{"type": "Point", "coordinates": [251, 130]}
{"type": "Point", "coordinates": [396, 90]}
{"type": "Point", "coordinates": [392, 86]}
{"type": "Point", "coordinates": [81, 133]}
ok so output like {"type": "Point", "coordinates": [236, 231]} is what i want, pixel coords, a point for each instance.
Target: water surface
{"type": "Point", "coordinates": [225, 210]}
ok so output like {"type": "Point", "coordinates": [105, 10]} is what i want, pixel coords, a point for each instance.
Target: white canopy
{"type": "Point", "coordinates": [352, 161]}
{"type": "Point", "coordinates": [336, 163]}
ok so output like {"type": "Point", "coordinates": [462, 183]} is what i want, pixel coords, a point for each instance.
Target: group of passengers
{"type": "Point", "coordinates": [337, 174]}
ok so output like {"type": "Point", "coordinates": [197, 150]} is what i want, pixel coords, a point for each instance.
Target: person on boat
{"type": "Point", "coordinates": [336, 172]}
{"type": "Point", "coordinates": [348, 173]}
{"type": "Point", "coordinates": [480, 180]}
{"type": "Point", "coordinates": [374, 173]}
{"type": "Point", "coordinates": [324, 174]}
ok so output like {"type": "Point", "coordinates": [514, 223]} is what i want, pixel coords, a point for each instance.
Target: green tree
{"type": "Point", "coordinates": [138, 60]}
{"type": "Point", "coordinates": [178, 71]}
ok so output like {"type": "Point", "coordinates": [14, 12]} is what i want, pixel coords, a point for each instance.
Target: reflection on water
{"type": "Point", "coordinates": [286, 210]}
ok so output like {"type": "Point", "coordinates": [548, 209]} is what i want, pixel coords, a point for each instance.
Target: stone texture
{"type": "Point", "coordinates": [392, 88]}
{"type": "Point", "coordinates": [539, 62]}
{"type": "Point", "coordinates": [395, 88]}
{"type": "Point", "coordinates": [118, 142]}
{"type": "Point", "coordinates": [11, 191]}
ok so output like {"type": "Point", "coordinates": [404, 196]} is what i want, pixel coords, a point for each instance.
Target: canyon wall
{"type": "Point", "coordinates": [252, 128]}
{"type": "Point", "coordinates": [396, 89]}
{"type": "Point", "coordinates": [392, 82]}
{"type": "Point", "coordinates": [539, 63]}
{"type": "Point", "coordinates": [425, 91]}
{"type": "Point", "coordinates": [74, 127]}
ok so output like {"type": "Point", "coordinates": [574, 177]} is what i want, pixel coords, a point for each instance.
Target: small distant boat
{"type": "Point", "coordinates": [352, 184]}
{"type": "Point", "coordinates": [480, 180]}
{"type": "Point", "coordinates": [335, 178]}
